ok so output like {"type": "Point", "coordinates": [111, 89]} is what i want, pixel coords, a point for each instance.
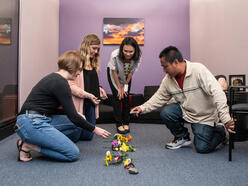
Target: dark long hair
{"type": "Point", "coordinates": [130, 41]}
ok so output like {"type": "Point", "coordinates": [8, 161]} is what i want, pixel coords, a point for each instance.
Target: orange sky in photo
{"type": "Point", "coordinates": [117, 33]}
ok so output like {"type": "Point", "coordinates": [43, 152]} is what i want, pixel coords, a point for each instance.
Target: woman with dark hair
{"type": "Point", "coordinates": [121, 67]}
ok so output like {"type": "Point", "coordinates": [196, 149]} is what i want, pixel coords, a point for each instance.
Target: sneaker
{"type": "Point", "coordinates": [178, 143]}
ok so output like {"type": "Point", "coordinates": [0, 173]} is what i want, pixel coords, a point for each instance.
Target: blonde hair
{"type": "Point", "coordinates": [70, 61]}
{"type": "Point", "coordinates": [84, 50]}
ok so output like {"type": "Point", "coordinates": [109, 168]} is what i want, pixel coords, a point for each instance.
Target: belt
{"type": "Point", "coordinates": [33, 112]}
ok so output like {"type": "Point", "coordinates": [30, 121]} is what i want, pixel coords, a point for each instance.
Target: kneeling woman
{"type": "Point", "coordinates": [121, 67]}
{"type": "Point", "coordinates": [39, 125]}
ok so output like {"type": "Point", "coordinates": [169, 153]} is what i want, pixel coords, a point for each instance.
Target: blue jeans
{"type": "Point", "coordinates": [206, 138]}
{"type": "Point", "coordinates": [90, 114]}
{"type": "Point", "coordinates": [54, 135]}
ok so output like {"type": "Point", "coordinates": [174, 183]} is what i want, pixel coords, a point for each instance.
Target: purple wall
{"type": "Point", "coordinates": [166, 23]}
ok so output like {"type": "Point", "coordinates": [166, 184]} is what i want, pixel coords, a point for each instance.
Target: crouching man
{"type": "Point", "coordinates": [199, 100]}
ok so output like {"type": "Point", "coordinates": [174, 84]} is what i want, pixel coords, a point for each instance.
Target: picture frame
{"type": "Point", "coordinates": [237, 80]}
{"type": "Point", "coordinates": [5, 31]}
{"type": "Point", "coordinates": [116, 29]}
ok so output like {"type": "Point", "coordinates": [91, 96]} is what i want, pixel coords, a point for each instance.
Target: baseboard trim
{"type": "Point", "coordinates": [7, 129]}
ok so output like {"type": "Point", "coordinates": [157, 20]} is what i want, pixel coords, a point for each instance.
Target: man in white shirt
{"type": "Point", "coordinates": [199, 100]}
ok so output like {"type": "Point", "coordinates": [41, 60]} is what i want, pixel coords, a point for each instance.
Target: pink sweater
{"type": "Point", "coordinates": [78, 94]}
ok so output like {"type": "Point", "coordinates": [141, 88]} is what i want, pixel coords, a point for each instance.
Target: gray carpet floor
{"type": "Point", "coordinates": [156, 165]}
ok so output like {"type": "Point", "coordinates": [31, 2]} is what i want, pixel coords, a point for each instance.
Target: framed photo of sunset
{"type": "Point", "coordinates": [5, 31]}
{"type": "Point", "coordinates": [116, 29]}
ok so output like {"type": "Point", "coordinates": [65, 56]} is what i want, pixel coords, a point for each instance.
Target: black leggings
{"type": "Point", "coordinates": [121, 115]}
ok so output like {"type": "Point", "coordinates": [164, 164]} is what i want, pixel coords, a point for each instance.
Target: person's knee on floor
{"type": "Point", "coordinates": [73, 155]}
{"type": "Point", "coordinates": [201, 146]}
{"type": "Point", "coordinates": [202, 149]}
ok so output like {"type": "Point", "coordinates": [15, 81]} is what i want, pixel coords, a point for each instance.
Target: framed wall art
{"type": "Point", "coordinates": [5, 31]}
{"type": "Point", "coordinates": [237, 80]}
{"type": "Point", "coordinates": [116, 29]}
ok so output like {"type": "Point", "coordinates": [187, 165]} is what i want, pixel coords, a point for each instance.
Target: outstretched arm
{"type": "Point", "coordinates": [211, 87]}
{"type": "Point", "coordinates": [79, 92]}
{"type": "Point", "coordinates": [136, 110]}
{"type": "Point", "coordinates": [101, 132]}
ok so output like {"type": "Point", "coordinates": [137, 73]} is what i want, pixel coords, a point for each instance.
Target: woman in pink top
{"type": "Point", "coordinates": [85, 88]}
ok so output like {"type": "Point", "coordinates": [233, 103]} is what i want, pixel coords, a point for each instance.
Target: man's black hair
{"type": "Point", "coordinates": [170, 54]}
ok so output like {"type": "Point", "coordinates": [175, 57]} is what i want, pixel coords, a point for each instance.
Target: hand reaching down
{"type": "Point", "coordinates": [230, 126]}
{"type": "Point", "coordinates": [93, 99]}
{"type": "Point", "coordinates": [103, 94]}
{"type": "Point", "coordinates": [101, 132]}
{"type": "Point", "coordinates": [137, 110]}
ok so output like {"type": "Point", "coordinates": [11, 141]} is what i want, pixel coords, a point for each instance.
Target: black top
{"type": "Point", "coordinates": [51, 92]}
{"type": "Point", "coordinates": [91, 82]}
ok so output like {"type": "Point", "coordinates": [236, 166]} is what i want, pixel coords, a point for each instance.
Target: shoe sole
{"type": "Point", "coordinates": [179, 146]}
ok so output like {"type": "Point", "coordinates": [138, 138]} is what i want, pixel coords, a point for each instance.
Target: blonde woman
{"type": "Point", "coordinates": [85, 88]}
